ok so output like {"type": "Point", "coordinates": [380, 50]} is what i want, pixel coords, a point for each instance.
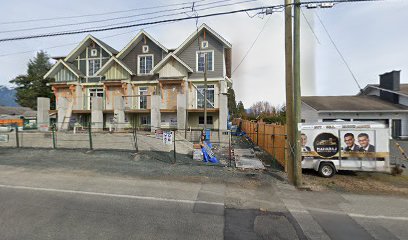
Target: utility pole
{"type": "Point", "coordinates": [205, 93]}
{"type": "Point", "coordinates": [289, 90]}
{"type": "Point", "coordinates": [297, 97]}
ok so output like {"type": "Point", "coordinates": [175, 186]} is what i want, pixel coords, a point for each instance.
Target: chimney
{"type": "Point", "coordinates": [390, 81]}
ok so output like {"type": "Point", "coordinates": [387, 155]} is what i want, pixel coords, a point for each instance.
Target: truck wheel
{"type": "Point", "coordinates": [326, 170]}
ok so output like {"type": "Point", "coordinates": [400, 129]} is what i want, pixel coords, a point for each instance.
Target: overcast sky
{"type": "Point", "coordinates": [371, 36]}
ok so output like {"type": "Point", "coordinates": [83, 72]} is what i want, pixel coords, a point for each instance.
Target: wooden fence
{"type": "Point", "coordinates": [270, 137]}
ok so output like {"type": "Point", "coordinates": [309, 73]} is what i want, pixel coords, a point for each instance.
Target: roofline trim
{"type": "Point", "coordinates": [119, 55]}
{"type": "Point", "coordinates": [56, 65]}
{"type": "Point", "coordinates": [164, 60]}
{"type": "Point", "coordinates": [89, 36]}
{"type": "Point", "coordinates": [191, 37]}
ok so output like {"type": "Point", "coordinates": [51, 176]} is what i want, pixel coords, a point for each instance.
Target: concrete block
{"type": "Point", "coordinates": [223, 112]}
{"type": "Point", "coordinates": [97, 113]}
{"type": "Point", "coordinates": [155, 116]}
{"type": "Point", "coordinates": [181, 111]}
{"type": "Point", "coordinates": [43, 117]}
{"type": "Point", "coordinates": [62, 106]}
{"type": "Point", "coordinates": [119, 112]}
{"type": "Point", "coordinates": [79, 98]}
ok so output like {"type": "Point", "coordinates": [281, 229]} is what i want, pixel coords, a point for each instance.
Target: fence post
{"type": "Point", "coordinates": [257, 133]}
{"type": "Point", "coordinates": [17, 141]}
{"type": "Point", "coordinates": [174, 145]}
{"type": "Point", "coordinates": [54, 144]}
{"type": "Point", "coordinates": [90, 136]}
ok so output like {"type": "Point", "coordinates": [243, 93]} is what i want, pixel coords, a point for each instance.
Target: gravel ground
{"type": "Point", "coordinates": [358, 182]}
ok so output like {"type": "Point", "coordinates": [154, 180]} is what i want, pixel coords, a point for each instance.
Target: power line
{"type": "Point", "coordinates": [167, 15]}
{"type": "Point", "coordinates": [75, 43]}
{"type": "Point", "coordinates": [253, 43]}
{"type": "Point", "coordinates": [98, 14]}
{"type": "Point", "coordinates": [280, 6]}
{"type": "Point", "coordinates": [310, 26]}
{"type": "Point", "coordinates": [124, 17]}
{"type": "Point", "coordinates": [338, 51]}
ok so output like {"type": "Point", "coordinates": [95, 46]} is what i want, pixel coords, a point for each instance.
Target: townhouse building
{"type": "Point", "coordinates": [145, 83]}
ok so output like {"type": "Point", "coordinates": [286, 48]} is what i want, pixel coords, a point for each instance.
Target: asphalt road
{"type": "Point", "coordinates": [70, 195]}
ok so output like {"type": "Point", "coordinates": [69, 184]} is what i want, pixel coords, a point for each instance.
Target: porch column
{"type": "Point", "coordinates": [223, 106]}
{"type": "Point", "coordinates": [155, 117]}
{"type": "Point", "coordinates": [97, 113]}
{"type": "Point", "coordinates": [79, 101]}
{"type": "Point", "coordinates": [119, 112]}
{"type": "Point", "coordinates": [181, 110]}
{"type": "Point", "coordinates": [62, 111]}
{"type": "Point", "coordinates": [43, 117]}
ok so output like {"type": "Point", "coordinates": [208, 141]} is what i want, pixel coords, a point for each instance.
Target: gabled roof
{"type": "Point", "coordinates": [403, 89]}
{"type": "Point", "coordinates": [360, 103]}
{"type": "Point", "coordinates": [69, 66]}
{"type": "Point", "coordinates": [192, 37]}
{"type": "Point", "coordinates": [109, 63]}
{"type": "Point", "coordinates": [135, 40]}
{"type": "Point", "coordinates": [81, 46]}
{"type": "Point", "coordinates": [166, 59]}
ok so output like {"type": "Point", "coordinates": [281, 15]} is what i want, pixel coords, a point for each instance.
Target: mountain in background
{"type": "Point", "coordinates": [7, 97]}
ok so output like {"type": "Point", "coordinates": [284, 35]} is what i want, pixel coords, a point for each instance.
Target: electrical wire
{"type": "Point", "coordinates": [310, 26]}
{"type": "Point", "coordinates": [339, 52]}
{"type": "Point", "coordinates": [97, 14]}
{"type": "Point", "coordinates": [123, 17]}
{"type": "Point", "coordinates": [168, 20]}
{"type": "Point", "coordinates": [253, 43]}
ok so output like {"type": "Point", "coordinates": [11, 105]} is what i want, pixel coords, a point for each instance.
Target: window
{"type": "Point", "coordinates": [143, 97]}
{"type": "Point", "coordinates": [201, 63]}
{"type": "Point", "coordinates": [94, 92]}
{"type": "Point", "coordinates": [210, 96]}
{"type": "Point", "coordinates": [204, 44]}
{"type": "Point", "coordinates": [94, 52]}
{"type": "Point", "coordinates": [145, 64]}
{"type": "Point", "coordinates": [145, 48]}
{"type": "Point", "coordinates": [93, 66]}
{"type": "Point", "coordinates": [145, 120]}
{"type": "Point", "coordinates": [201, 120]}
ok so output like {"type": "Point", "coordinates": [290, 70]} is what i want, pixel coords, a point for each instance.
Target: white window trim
{"type": "Point", "coordinates": [87, 66]}
{"type": "Point", "coordinates": [205, 51]}
{"type": "Point", "coordinates": [208, 88]}
{"type": "Point", "coordinates": [138, 64]}
{"type": "Point", "coordinates": [89, 95]}
{"type": "Point", "coordinates": [147, 48]}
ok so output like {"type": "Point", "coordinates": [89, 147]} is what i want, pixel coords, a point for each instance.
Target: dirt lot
{"type": "Point", "coordinates": [358, 182]}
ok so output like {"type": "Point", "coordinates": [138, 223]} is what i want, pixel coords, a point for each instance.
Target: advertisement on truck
{"type": "Point", "coordinates": [345, 146]}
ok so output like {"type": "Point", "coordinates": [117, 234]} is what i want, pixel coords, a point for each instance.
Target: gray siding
{"type": "Point", "coordinates": [188, 55]}
{"type": "Point", "coordinates": [131, 58]}
{"type": "Point", "coordinates": [82, 55]}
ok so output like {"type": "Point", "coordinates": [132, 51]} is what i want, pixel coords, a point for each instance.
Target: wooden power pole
{"type": "Point", "coordinates": [293, 99]}
{"type": "Point", "coordinates": [297, 97]}
{"type": "Point", "coordinates": [289, 90]}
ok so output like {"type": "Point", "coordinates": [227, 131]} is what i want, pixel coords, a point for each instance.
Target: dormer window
{"type": "Point", "coordinates": [145, 48]}
{"type": "Point", "coordinates": [204, 44]}
{"type": "Point", "coordinates": [94, 52]}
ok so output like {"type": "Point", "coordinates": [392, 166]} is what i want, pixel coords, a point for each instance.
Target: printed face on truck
{"type": "Point", "coordinates": [303, 139]}
{"type": "Point", "coordinates": [349, 139]}
{"type": "Point", "coordinates": [363, 140]}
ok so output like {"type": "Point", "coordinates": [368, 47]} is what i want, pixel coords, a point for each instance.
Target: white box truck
{"type": "Point", "coordinates": [328, 147]}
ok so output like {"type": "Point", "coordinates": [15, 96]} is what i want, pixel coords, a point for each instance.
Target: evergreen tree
{"type": "Point", "coordinates": [241, 110]}
{"type": "Point", "coordinates": [232, 104]}
{"type": "Point", "coordinates": [33, 85]}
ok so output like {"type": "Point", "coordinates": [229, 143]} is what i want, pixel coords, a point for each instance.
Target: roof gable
{"type": "Point", "coordinates": [86, 42]}
{"type": "Point", "coordinates": [69, 66]}
{"type": "Point", "coordinates": [194, 35]}
{"type": "Point", "coordinates": [106, 67]}
{"type": "Point", "coordinates": [142, 34]}
{"type": "Point", "coordinates": [166, 59]}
